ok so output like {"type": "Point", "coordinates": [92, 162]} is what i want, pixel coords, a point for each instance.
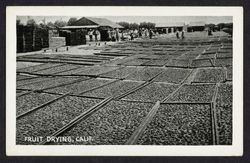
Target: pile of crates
{"type": "Point", "coordinates": [31, 38]}
{"type": "Point", "coordinates": [77, 37]}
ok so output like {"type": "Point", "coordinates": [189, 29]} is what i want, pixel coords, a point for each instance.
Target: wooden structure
{"type": "Point", "coordinates": [31, 38]}
{"type": "Point", "coordinates": [165, 28]}
{"type": "Point", "coordinates": [87, 23]}
{"type": "Point", "coordinates": [196, 26]}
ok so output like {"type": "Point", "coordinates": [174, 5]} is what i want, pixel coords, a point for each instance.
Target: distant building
{"type": "Point", "coordinates": [196, 26]}
{"type": "Point", "coordinates": [169, 27]}
{"type": "Point", "coordinates": [90, 23]}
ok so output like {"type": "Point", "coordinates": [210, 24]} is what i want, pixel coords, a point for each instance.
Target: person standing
{"type": "Point", "coordinates": [150, 33]}
{"type": "Point", "coordinates": [90, 33]}
{"type": "Point", "coordinates": [131, 35]}
{"type": "Point", "coordinates": [122, 35]}
{"type": "Point", "coordinates": [140, 32]}
{"type": "Point", "coordinates": [210, 32]}
{"type": "Point", "coordinates": [109, 35]}
{"type": "Point", "coordinates": [113, 35]}
{"type": "Point", "coordinates": [117, 34]}
{"type": "Point", "coordinates": [182, 35]}
{"type": "Point", "coordinates": [177, 34]}
{"type": "Point", "coordinates": [96, 33]}
{"type": "Point", "coordinates": [146, 32]}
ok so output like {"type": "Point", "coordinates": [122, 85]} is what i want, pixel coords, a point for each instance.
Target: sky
{"type": "Point", "coordinates": [138, 19]}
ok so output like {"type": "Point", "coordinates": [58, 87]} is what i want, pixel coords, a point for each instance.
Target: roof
{"type": "Point", "coordinates": [170, 24]}
{"type": "Point", "coordinates": [104, 22]}
{"type": "Point", "coordinates": [197, 24]}
{"type": "Point", "coordinates": [90, 21]}
{"type": "Point", "coordinates": [77, 27]}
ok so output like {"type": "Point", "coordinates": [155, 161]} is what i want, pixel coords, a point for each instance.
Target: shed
{"type": "Point", "coordinates": [101, 24]}
{"type": "Point", "coordinates": [196, 26]}
{"type": "Point", "coordinates": [169, 27]}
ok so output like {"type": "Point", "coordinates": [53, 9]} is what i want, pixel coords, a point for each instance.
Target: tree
{"type": "Point", "coordinates": [72, 21]}
{"type": "Point", "coordinates": [125, 25]}
{"type": "Point", "coordinates": [228, 25]}
{"type": "Point", "coordinates": [42, 25]}
{"type": "Point", "coordinates": [221, 26]}
{"type": "Point", "coordinates": [31, 22]}
{"type": "Point", "coordinates": [18, 22]}
{"type": "Point", "coordinates": [133, 26]}
{"type": "Point", "coordinates": [148, 25]}
{"type": "Point", "coordinates": [210, 26]}
{"type": "Point", "coordinates": [50, 24]}
{"type": "Point", "coordinates": [60, 23]}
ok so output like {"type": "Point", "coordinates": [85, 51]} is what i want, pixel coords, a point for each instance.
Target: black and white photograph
{"type": "Point", "coordinates": [100, 80]}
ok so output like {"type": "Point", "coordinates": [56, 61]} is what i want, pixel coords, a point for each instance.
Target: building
{"type": "Point", "coordinates": [90, 23]}
{"type": "Point", "coordinates": [196, 26]}
{"type": "Point", "coordinates": [169, 27]}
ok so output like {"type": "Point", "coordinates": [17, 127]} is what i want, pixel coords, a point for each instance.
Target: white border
{"type": "Point", "coordinates": [236, 149]}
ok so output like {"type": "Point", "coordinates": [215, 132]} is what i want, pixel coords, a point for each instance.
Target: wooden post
{"type": "Point", "coordinates": [34, 39]}
{"type": "Point", "coordinates": [24, 46]}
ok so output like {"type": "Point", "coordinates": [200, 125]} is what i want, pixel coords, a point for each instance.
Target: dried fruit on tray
{"type": "Point", "coordinates": [178, 63]}
{"type": "Point", "coordinates": [113, 89]}
{"type": "Point", "coordinates": [229, 73]}
{"type": "Point", "coordinates": [53, 82]}
{"type": "Point", "coordinates": [58, 69]}
{"type": "Point", "coordinates": [209, 75]}
{"type": "Point", "coordinates": [202, 63]}
{"type": "Point", "coordinates": [121, 73]}
{"type": "Point", "coordinates": [32, 80]}
{"type": "Point", "coordinates": [79, 87]}
{"type": "Point", "coordinates": [189, 56]}
{"type": "Point", "coordinates": [28, 101]}
{"type": "Point", "coordinates": [144, 74]}
{"type": "Point", "coordinates": [23, 77]}
{"type": "Point", "coordinates": [179, 125]}
{"type": "Point", "coordinates": [224, 113]}
{"type": "Point", "coordinates": [223, 62]}
{"type": "Point", "coordinates": [173, 75]}
{"type": "Point", "coordinates": [156, 62]}
{"type": "Point", "coordinates": [73, 71]}
{"type": "Point", "coordinates": [50, 118]}
{"type": "Point", "coordinates": [207, 56]}
{"type": "Point", "coordinates": [152, 92]}
{"type": "Point", "coordinates": [97, 70]}
{"type": "Point", "coordinates": [38, 67]}
{"type": "Point", "coordinates": [134, 62]}
{"type": "Point", "coordinates": [111, 125]}
{"type": "Point", "coordinates": [224, 55]}
{"type": "Point", "coordinates": [194, 93]}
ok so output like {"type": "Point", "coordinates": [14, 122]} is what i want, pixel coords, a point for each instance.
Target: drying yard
{"type": "Point", "coordinates": [159, 91]}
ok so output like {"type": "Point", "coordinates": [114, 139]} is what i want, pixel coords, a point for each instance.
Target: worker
{"type": "Point", "coordinates": [109, 35]}
{"type": "Point", "coordinates": [140, 32]}
{"type": "Point", "coordinates": [117, 34]}
{"type": "Point", "coordinates": [177, 34]}
{"type": "Point", "coordinates": [90, 33]}
{"type": "Point", "coordinates": [96, 33]}
{"type": "Point", "coordinates": [131, 35]}
{"type": "Point", "coordinates": [113, 35]}
{"type": "Point", "coordinates": [182, 34]}
{"type": "Point", "coordinates": [210, 32]}
{"type": "Point", "coordinates": [146, 32]}
{"type": "Point", "coordinates": [150, 33]}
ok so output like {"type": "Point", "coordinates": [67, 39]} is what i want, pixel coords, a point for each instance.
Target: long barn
{"type": "Point", "coordinates": [101, 24]}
